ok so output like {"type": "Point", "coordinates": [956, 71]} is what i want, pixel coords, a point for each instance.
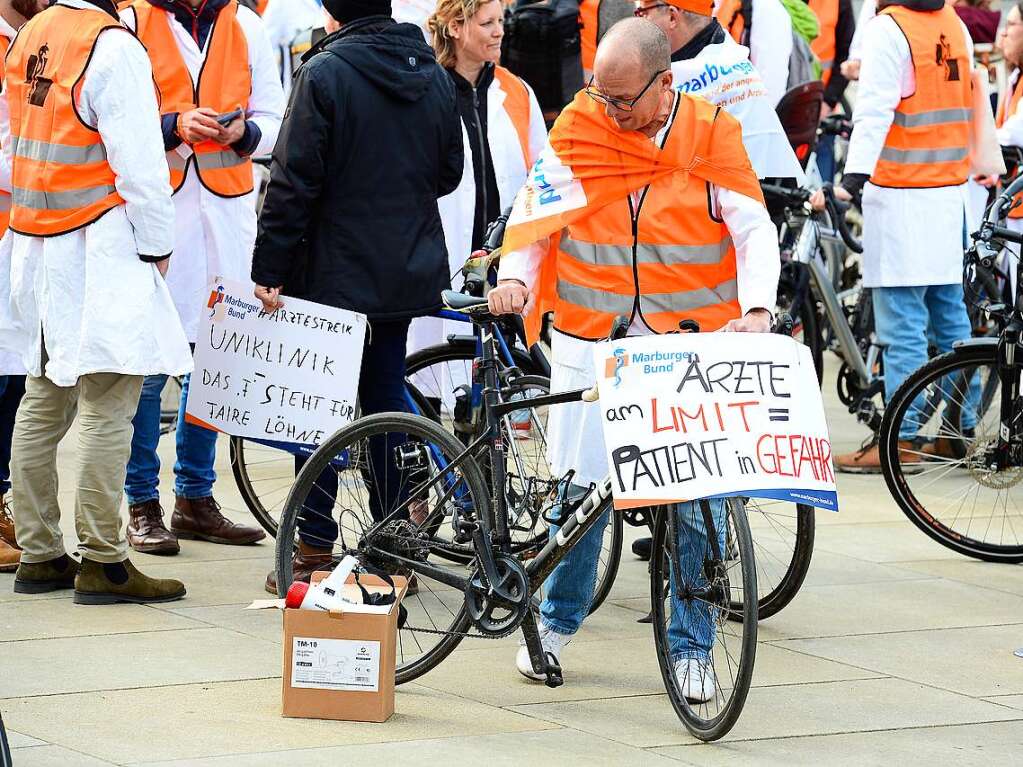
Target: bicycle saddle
{"type": "Point", "coordinates": [460, 302]}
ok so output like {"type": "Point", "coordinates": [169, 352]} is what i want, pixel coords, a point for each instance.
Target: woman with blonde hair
{"type": "Point", "coordinates": [502, 129]}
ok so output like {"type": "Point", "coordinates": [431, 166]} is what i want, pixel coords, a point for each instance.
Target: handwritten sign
{"type": "Point", "coordinates": [700, 415]}
{"type": "Point", "coordinates": [289, 378]}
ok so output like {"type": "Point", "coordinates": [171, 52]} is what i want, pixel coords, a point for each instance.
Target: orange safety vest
{"type": "Point", "coordinates": [5, 197]}
{"type": "Point", "coordinates": [1006, 109]}
{"type": "Point", "coordinates": [824, 45]}
{"type": "Point", "coordinates": [589, 11]}
{"type": "Point", "coordinates": [225, 84]}
{"type": "Point", "coordinates": [516, 105]}
{"type": "Point", "coordinates": [679, 264]}
{"type": "Point", "coordinates": [60, 175]}
{"type": "Point", "coordinates": [261, 6]}
{"type": "Point", "coordinates": [928, 144]}
{"type": "Point", "coordinates": [729, 15]}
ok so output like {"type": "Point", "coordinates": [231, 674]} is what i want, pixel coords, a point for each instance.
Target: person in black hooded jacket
{"type": "Point", "coordinates": [370, 140]}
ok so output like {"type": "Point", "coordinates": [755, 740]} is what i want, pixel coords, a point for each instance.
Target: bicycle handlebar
{"type": "Point", "coordinates": [476, 277]}
{"type": "Point", "coordinates": [837, 210]}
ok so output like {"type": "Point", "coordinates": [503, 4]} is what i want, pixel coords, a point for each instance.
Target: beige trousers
{"type": "Point", "coordinates": [105, 404]}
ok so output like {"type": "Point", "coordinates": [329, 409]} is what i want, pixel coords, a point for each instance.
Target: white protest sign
{"type": "Point", "coordinates": [698, 415]}
{"type": "Point", "coordinates": [289, 378]}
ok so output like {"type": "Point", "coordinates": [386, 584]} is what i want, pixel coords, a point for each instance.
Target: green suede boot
{"type": "Point", "coordinates": [104, 584]}
{"type": "Point", "coordinates": [40, 577]}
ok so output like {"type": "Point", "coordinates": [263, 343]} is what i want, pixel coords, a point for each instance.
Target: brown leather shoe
{"type": "Point", "coordinates": [946, 449]}
{"type": "Point", "coordinates": [200, 518]}
{"type": "Point", "coordinates": [10, 557]}
{"type": "Point", "coordinates": [7, 524]}
{"type": "Point", "coordinates": [867, 460]}
{"type": "Point", "coordinates": [146, 532]}
{"type": "Point", "coordinates": [307, 560]}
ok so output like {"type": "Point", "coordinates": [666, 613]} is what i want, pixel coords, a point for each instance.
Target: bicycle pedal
{"type": "Point", "coordinates": [554, 677]}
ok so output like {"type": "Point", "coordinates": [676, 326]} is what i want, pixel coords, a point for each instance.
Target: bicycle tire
{"type": "Point", "coordinates": [713, 728]}
{"type": "Point", "coordinates": [463, 350]}
{"type": "Point", "coordinates": [352, 434]}
{"type": "Point", "coordinates": [964, 358]}
{"type": "Point", "coordinates": [772, 602]}
{"type": "Point", "coordinates": [606, 579]}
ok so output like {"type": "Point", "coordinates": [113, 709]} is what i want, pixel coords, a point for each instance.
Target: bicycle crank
{"type": "Point", "coordinates": [497, 609]}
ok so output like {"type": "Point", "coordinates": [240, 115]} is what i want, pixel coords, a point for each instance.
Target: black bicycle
{"type": "Point", "coordinates": [955, 468]}
{"type": "Point", "coordinates": [383, 471]}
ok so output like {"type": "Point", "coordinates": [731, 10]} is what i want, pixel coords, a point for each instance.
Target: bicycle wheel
{"type": "Point", "coordinates": [610, 559]}
{"type": "Point", "coordinates": [797, 301]}
{"type": "Point", "coordinates": [783, 536]}
{"type": "Point", "coordinates": [937, 465]}
{"type": "Point", "coordinates": [381, 468]}
{"type": "Point", "coordinates": [264, 476]}
{"type": "Point", "coordinates": [709, 590]}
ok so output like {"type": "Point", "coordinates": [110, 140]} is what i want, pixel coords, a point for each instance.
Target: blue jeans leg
{"type": "Point", "coordinates": [568, 590]}
{"type": "Point", "coordinates": [196, 451]}
{"type": "Point", "coordinates": [142, 480]}
{"type": "Point", "coordinates": [826, 157]}
{"type": "Point", "coordinates": [950, 323]}
{"type": "Point", "coordinates": [381, 389]}
{"type": "Point", "coordinates": [11, 390]}
{"type": "Point", "coordinates": [692, 626]}
{"type": "Point", "coordinates": [901, 320]}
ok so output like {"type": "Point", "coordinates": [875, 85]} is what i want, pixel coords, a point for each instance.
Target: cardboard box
{"type": "Point", "coordinates": [340, 665]}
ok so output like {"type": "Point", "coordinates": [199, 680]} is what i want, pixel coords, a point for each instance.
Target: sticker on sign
{"type": "Point", "coordinates": [288, 379]}
{"type": "Point", "coordinates": [703, 415]}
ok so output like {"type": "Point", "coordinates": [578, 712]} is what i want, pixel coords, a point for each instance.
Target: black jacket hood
{"type": "Point", "coordinates": [392, 56]}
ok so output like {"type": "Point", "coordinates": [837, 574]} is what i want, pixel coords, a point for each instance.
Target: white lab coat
{"type": "Point", "coordinates": [575, 439]}
{"type": "Point", "coordinates": [868, 10]}
{"type": "Point", "coordinates": [99, 306]}
{"type": "Point", "coordinates": [458, 209]}
{"type": "Point", "coordinates": [10, 361]}
{"type": "Point", "coordinates": [1011, 134]}
{"type": "Point", "coordinates": [214, 236]}
{"type": "Point", "coordinates": [770, 45]}
{"type": "Point", "coordinates": [910, 236]}
{"type": "Point", "coordinates": [723, 74]}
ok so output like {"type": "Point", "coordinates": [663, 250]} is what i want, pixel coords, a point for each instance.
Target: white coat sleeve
{"type": "Point", "coordinates": [5, 142]}
{"type": "Point", "coordinates": [118, 99]}
{"type": "Point", "coordinates": [537, 127]}
{"type": "Point", "coordinates": [524, 265]}
{"type": "Point", "coordinates": [266, 104]}
{"type": "Point", "coordinates": [757, 261]}
{"type": "Point", "coordinates": [882, 77]}
{"type": "Point", "coordinates": [771, 46]}
{"type": "Point", "coordinates": [867, 11]}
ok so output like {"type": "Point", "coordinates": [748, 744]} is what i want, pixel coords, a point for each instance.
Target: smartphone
{"type": "Point", "coordinates": [228, 117]}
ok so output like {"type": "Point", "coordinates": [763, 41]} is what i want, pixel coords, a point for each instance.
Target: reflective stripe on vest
{"type": "Point", "coordinates": [824, 45]}
{"type": "Point", "coordinates": [60, 175]}
{"type": "Point", "coordinates": [225, 84]}
{"type": "Point", "coordinates": [928, 142]}
{"type": "Point", "coordinates": [677, 302]}
{"type": "Point", "coordinates": [621, 255]}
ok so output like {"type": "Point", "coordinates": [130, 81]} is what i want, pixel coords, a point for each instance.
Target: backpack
{"type": "Point", "coordinates": [542, 46]}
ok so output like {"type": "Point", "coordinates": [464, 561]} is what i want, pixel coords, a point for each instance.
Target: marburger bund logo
{"type": "Point", "coordinates": [223, 304]}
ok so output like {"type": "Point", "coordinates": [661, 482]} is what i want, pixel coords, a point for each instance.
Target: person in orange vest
{"type": "Point", "coordinates": [909, 154]}
{"type": "Point", "coordinates": [81, 294]}
{"type": "Point", "coordinates": [13, 14]}
{"type": "Point", "coordinates": [632, 118]}
{"type": "Point", "coordinates": [831, 47]}
{"type": "Point", "coordinates": [1009, 117]}
{"type": "Point", "coordinates": [211, 58]}
{"type": "Point", "coordinates": [596, 18]}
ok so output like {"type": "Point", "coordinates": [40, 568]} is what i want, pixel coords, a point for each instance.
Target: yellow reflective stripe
{"type": "Point", "coordinates": [932, 117]}
{"type": "Point", "coordinates": [621, 255]}
{"type": "Point", "coordinates": [78, 198]}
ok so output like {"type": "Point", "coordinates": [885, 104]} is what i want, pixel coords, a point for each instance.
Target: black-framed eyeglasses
{"type": "Point", "coordinates": [624, 105]}
{"type": "Point", "coordinates": [643, 10]}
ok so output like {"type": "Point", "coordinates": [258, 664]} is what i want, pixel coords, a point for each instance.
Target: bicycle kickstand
{"type": "Point", "coordinates": [543, 663]}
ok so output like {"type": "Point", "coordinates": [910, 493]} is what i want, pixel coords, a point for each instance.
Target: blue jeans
{"type": "Point", "coordinates": [11, 390]}
{"type": "Point", "coordinates": [381, 390]}
{"type": "Point", "coordinates": [568, 591]}
{"type": "Point", "coordinates": [826, 157]}
{"type": "Point", "coordinates": [907, 319]}
{"type": "Point", "coordinates": [196, 449]}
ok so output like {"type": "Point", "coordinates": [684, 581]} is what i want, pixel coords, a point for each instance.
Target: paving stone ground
{"type": "Point", "coordinates": [896, 651]}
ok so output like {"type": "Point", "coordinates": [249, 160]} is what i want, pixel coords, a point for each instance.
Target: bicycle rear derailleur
{"type": "Point", "coordinates": [498, 604]}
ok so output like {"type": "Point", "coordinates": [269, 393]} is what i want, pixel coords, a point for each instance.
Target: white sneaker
{"type": "Point", "coordinates": [696, 678]}
{"type": "Point", "coordinates": [551, 641]}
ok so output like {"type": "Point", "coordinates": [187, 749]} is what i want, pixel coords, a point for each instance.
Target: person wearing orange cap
{"type": "Point", "coordinates": [642, 204]}
{"type": "Point", "coordinates": [707, 62]}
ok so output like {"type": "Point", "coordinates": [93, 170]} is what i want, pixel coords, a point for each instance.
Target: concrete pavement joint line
{"type": "Point", "coordinates": [885, 633]}
{"type": "Point", "coordinates": [839, 734]}
{"type": "Point", "coordinates": [108, 634]}
{"type": "Point", "coordinates": [144, 687]}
